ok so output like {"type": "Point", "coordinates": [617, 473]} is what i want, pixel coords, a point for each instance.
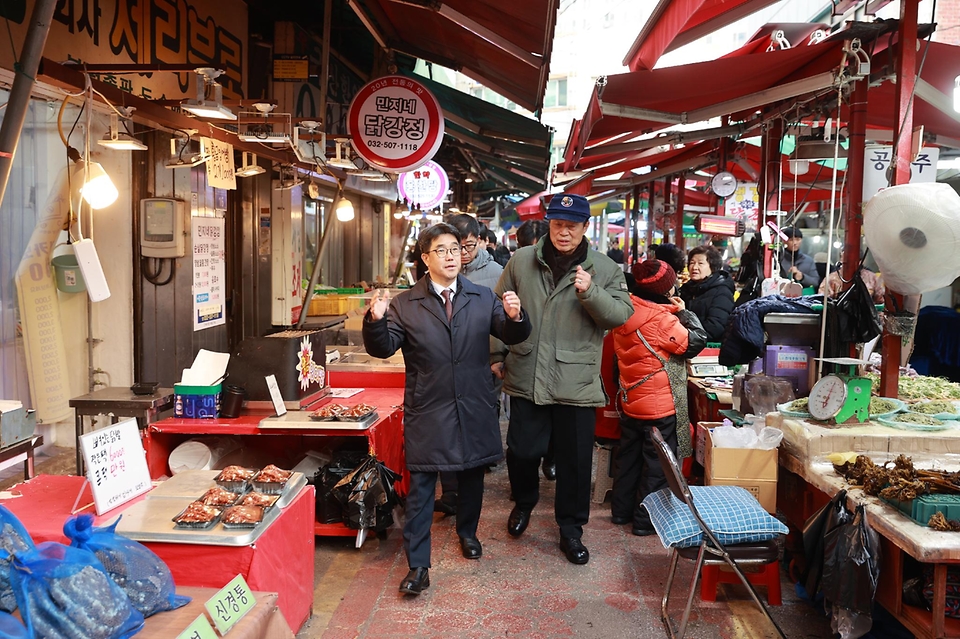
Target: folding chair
{"type": "Point", "coordinates": [710, 551]}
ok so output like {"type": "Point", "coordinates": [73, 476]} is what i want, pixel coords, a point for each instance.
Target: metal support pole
{"type": "Point", "coordinates": [770, 185]}
{"type": "Point", "coordinates": [325, 62]}
{"type": "Point", "coordinates": [853, 224]}
{"type": "Point", "coordinates": [635, 221]}
{"type": "Point", "coordinates": [902, 158]}
{"type": "Point", "coordinates": [681, 202]}
{"type": "Point", "coordinates": [26, 74]}
{"type": "Point", "coordinates": [407, 226]}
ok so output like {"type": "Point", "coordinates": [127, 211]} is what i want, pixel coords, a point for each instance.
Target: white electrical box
{"type": "Point", "coordinates": [162, 232]}
{"type": "Point", "coordinates": [286, 235]}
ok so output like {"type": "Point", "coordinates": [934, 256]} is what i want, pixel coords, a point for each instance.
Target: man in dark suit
{"type": "Point", "coordinates": [443, 326]}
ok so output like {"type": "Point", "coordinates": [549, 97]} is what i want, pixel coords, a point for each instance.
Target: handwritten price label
{"type": "Point", "coordinates": [229, 605]}
{"type": "Point", "coordinates": [116, 464]}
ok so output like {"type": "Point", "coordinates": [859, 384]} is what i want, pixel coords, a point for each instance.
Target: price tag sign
{"type": "Point", "coordinates": [275, 395]}
{"type": "Point", "coordinates": [199, 629]}
{"type": "Point", "coordinates": [229, 605]}
{"type": "Point", "coordinates": [116, 464]}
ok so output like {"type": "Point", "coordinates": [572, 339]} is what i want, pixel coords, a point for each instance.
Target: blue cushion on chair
{"type": "Point", "coordinates": [732, 513]}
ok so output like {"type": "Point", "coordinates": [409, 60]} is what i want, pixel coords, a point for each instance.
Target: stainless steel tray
{"type": "Point", "coordinates": [301, 419]}
{"type": "Point", "coordinates": [150, 519]}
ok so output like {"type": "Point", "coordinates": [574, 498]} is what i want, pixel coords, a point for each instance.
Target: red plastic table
{"type": "Point", "coordinates": [280, 561]}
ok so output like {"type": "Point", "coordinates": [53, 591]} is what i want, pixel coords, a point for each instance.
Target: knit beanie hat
{"type": "Point", "coordinates": [654, 276]}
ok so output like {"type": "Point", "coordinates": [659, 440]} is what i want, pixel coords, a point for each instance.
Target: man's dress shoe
{"type": "Point", "coordinates": [574, 549]}
{"type": "Point", "coordinates": [415, 581]}
{"type": "Point", "coordinates": [518, 521]}
{"type": "Point", "coordinates": [471, 547]}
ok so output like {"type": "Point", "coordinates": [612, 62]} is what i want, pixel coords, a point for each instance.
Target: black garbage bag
{"type": "Point", "coordinates": [851, 565]}
{"type": "Point", "coordinates": [329, 508]}
{"type": "Point", "coordinates": [833, 514]}
{"type": "Point", "coordinates": [368, 495]}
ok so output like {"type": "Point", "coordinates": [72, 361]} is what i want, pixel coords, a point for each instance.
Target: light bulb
{"type": "Point", "coordinates": [816, 239]}
{"type": "Point", "coordinates": [398, 215]}
{"type": "Point", "coordinates": [838, 244]}
{"type": "Point", "coordinates": [344, 210]}
{"type": "Point", "coordinates": [98, 189]}
{"type": "Point", "coordinates": [799, 167]}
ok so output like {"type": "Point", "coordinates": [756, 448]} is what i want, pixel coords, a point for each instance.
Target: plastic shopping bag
{"type": "Point", "coordinates": [132, 566]}
{"type": "Point", "coordinates": [14, 538]}
{"type": "Point", "coordinates": [65, 593]}
{"type": "Point", "coordinates": [368, 495]}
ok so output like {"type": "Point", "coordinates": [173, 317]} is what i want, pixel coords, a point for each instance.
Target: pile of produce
{"type": "Point", "coordinates": [880, 406]}
{"type": "Point", "coordinates": [934, 408]}
{"type": "Point", "coordinates": [922, 387]}
{"type": "Point", "coordinates": [801, 405]}
{"type": "Point", "coordinates": [900, 481]}
{"type": "Point", "coordinates": [916, 418]}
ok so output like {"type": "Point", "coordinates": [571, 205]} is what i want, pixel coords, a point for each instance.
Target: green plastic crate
{"type": "Point", "coordinates": [923, 508]}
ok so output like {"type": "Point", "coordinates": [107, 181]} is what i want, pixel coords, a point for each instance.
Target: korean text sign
{"type": "Point", "coordinates": [230, 604]}
{"type": "Point", "coordinates": [116, 464]}
{"type": "Point", "coordinates": [209, 272]}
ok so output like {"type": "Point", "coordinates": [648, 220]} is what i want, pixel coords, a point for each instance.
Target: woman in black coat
{"type": "Point", "coordinates": [449, 413]}
{"type": "Point", "coordinates": [709, 292]}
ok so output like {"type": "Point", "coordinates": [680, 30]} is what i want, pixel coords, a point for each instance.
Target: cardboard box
{"type": "Point", "coordinates": [196, 402]}
{"type": "Point", "coordinates": [753, 469]}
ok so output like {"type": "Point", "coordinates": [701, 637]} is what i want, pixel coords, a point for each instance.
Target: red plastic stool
{"type": "Point", "coordinates": [768, 576]}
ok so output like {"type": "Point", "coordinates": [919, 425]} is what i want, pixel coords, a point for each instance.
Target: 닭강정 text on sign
{"type": "Point", "coordinates": [395, 123]}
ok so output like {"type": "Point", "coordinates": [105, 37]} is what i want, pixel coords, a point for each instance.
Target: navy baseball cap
{"type": "Point", "coordinates": [570, 207]}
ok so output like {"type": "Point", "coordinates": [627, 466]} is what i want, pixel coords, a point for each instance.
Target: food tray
{"type": "Point", "coordinates": [365, 417]}
{"type": "Point", "coordinates": [273, 499]}
{"type": "Point", "coordinates": [886, 421]}
{"type": "Point", "coordinates": [245, 526]}
{"type": "Point", "coordinates": [238, 496]}
{"type": "Point", "coordinates": [792, 413]}
{"type": "Point", "coordinates": [940, 416]}
{"type": "Point", "coordinates": [195, 525]}
{"type": "Point", "coordinates": [899, 407]}
{"type": "Point", "coordinates": [925, 506]}
{"type": "Point", "coordinates": [235, 486]}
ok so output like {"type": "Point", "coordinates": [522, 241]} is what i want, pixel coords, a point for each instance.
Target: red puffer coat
{"type": "Point", "coordinates": [666, 335]}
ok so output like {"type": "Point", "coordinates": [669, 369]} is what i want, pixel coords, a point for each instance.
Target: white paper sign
{"type": "Point", "coordinates": [221, 173]}
{"type": "Point", "coordinates": [116, 464]}
{"type": "Point", "coordinates": [275, 395]}
{"type": "Point", "coordinates": [426, 186]}
{"type": "Point", "coordinates": [876, 161]}
{"type": "Point", "coordinates": [209, 272]}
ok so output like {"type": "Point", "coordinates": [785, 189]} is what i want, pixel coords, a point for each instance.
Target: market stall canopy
{"type": "Point", "coordinates": [503, 44]}
{"type": "Point", "coordinates": [631, 104]}
{"type": "Point", "coordinates": [492, 143]}
{"type": "Point", "coordinates": [675, 23]}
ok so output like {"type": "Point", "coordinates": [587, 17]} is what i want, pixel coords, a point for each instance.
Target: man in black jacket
{"type": "Point", "coordinates": [794, 265]}
{"type": "Point", "coordinates": [443, 326]}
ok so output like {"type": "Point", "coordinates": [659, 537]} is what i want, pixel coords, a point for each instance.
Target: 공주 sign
{"type": "Point", "coordinates": [426, 185]}
{"type": "Point", "coordinates": [395, 123]}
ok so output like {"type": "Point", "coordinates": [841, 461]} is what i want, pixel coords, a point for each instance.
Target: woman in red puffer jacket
{"type": "Point", "coordinates": [659, 327]}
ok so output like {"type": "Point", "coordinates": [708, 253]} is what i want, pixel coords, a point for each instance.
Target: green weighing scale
{"type": "Point", "coordinates": [841, 398]}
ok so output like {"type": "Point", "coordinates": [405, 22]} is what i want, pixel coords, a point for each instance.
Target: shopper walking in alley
{"type": "Point", "coordinates": [443, 325]}
{"type": "Point", "coordinates": [573, 294]}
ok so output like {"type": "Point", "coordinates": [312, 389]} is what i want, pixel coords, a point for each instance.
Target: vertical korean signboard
{"type": "Point", "coordinates": [395, 124]}
{"type": "Point", "coordinates": [208, 272]}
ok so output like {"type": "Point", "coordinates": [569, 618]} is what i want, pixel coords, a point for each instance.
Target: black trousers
{"type": "Point", "coordinates": [636, 468]}
{"type": "Point", "coordinates": [528, 438]}
{"type": "Point", "coordinates": [419, 511]}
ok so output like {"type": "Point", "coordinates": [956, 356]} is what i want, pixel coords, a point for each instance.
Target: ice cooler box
{"type": "Point", "coordinates": [296, 358]}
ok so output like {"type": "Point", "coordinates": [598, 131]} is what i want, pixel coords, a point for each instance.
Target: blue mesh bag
{"type": "Point", "coordinates": [64, 593]}
{"type": "Point", "coordinates": [14, 538]}
{"type": "Point", "coordinates": [11, 628]}
{"type": "Point", "coordinates": [134, 567]}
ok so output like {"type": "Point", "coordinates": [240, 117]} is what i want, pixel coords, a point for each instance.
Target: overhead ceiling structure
{"type": "Point", "coordinates": [503, 44]}
{"type": "Point", "coordinates": [501, 151]}
{"type": "Point", "coordinates": [675, 23]}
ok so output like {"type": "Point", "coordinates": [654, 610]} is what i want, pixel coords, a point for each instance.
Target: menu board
{"type": "Point", "coordinates": [116, 464]}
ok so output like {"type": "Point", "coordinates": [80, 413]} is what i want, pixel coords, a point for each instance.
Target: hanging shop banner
{"type": "Point", "coordinates": [395, 123]}
{"type": "Point", "coordinates": [39, 304]}
{"type": "Point", "coordinates": [744, 204]}
{"type": "Point", "coordinates": [221, 174]}
{"type": "Point", "coordinates": [876, 161]}
{"type": "Point", "coordinates": [204, 33]}
{"type": "Point", "coordinates": [208, 272]}
{"type": "Point", "coordinates": [425, 186]}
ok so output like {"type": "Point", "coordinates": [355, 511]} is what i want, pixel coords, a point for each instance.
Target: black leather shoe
{"type": "Point", "coordinates": [471, 547]}
{"type": "Point", "coordinates": [415, 581]}
{"type": "Point", "coordinates": [518, 521]}
{"type": "Point", "coordinates": [447, 504]}
{"type": "Point", "coordinates": [643, 531]}
{"type": "Point", "coordinates": [549, 470]}
{"type": "Point", "coordinates": [619, 521]}
{"type": "Point", "coordinates": [574, 549]}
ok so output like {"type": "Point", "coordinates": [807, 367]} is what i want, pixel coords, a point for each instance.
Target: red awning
{"type": "Point", "coordinates": [644, 101]}
{"type": "Point", "coordinates": [503, 44]}
{"type": "Point", "coordinates": [675, 23]}
{"type": "Point", "coordinates": [933, 104]}
{"type": "Point", "coordinates": [780, 35]}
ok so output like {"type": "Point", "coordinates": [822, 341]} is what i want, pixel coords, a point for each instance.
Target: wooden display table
{"type": "Point", "coordinates": [808, 482]}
